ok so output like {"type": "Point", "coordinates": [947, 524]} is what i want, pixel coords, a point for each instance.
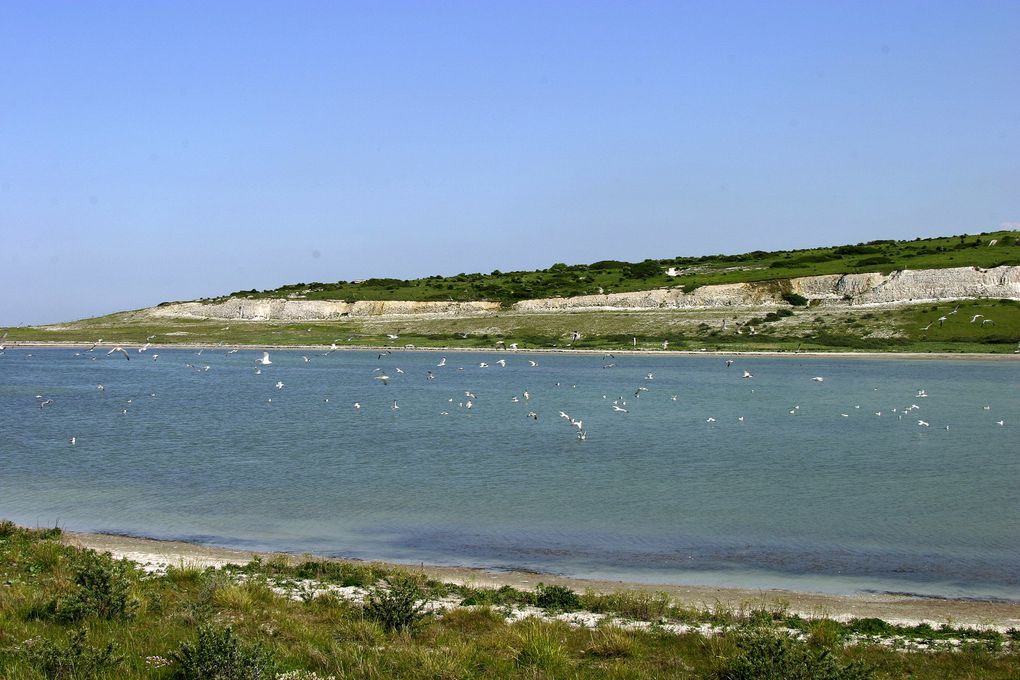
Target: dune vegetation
{"type": "Point", "coordinates": [67, 612]}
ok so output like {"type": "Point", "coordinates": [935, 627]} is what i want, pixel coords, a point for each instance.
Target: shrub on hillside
{"type": "Point", "coordinates": [77, 659]}
{"type": "Point", "coordinates": [767, 655]}
{"type": "Point", "coordinates": [103, 590]}
{"type": "Point", "coordinates": [557, 598]}
{"type": "Point", "coordinates": [400, 605]}
{"type": "Point", "coordinates": [218, 654]}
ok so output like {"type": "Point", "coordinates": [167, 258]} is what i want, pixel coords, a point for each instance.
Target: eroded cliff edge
{"type": "Point", "coordinates": [899, 287]}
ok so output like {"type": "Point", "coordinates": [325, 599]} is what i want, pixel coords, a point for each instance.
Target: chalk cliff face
{"type": "Point", "coordinates": [311, 310]}
{"type": "Point", "coordinates": [833, 289]}
{"type": "Point", "coordinates": [913, 285]}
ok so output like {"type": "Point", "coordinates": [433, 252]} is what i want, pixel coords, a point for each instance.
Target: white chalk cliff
{"type": "Point", "coordinates": [901, 287]}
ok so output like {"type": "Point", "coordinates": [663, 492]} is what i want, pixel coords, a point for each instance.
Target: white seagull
{"type": "Point", "coordinates": [121, 350]}
{"type": "Point", "coordinates": [264, 361]}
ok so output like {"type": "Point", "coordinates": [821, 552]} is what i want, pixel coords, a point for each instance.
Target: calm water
{"type": "Point", "coordinates": [811, 500]}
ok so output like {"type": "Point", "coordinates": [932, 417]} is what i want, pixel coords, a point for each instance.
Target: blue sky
{"type": "Point", "coordinates": [171, 150]}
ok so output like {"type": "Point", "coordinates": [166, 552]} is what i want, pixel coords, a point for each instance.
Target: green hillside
{"type": "Point", "coordinates": [913, 327]}
{"type": "Point", "coordinates": [611, 276]}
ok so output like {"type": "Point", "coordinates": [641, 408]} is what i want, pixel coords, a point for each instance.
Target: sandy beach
{"type": "Point", "coordinates": [896, 609]}
{"type": "Point", "coordinates": [962, 356]}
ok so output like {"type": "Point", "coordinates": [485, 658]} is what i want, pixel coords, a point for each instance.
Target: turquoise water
{"type": "Point", "coordinates": [811, 500]}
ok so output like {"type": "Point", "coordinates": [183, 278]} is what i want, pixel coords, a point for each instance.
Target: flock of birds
{"type": "Point", "coordinates": [945, 317]}
{"type": "Point", "coordinates": [386, 373]}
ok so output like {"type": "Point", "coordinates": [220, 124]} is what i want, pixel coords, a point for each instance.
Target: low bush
{"type": "Point", "coordinates": [767, 655]}
{"type": "Point", "coordinates": [400, 605]}
{"type": "Point", "coordinates": [795, 299]}
{"type": "Point", "coordinates": [103, 590]}
{"type": "Point", "coordinates": [218, 654]}
{"type": "Point", "coordinates": [77, 659]}
{"type": "Point", "coordinates": [557, 598]}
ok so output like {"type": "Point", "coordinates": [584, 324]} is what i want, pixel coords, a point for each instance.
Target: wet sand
{"type": "Point", "coordinates": [896, 609]}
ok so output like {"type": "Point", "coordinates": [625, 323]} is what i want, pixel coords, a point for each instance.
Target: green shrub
{"type": "Point", "coordinates": [501, 596]}
{"type": "Point", "coordinates": [341, 573]}
{"type": "Point", "coordinates": [398, 606]}
{"type": "Point", "coordinates": [217, 654]}
{"type": "Point", "coordinates": [557, 598]}
{"type": "Point", "coordinates": [872, 261]}
{"type": "Point", "coordinates": [871, 626]}
{"type": "Point", "coordinates": [795, 299]}
{"type": "Point", "coordinates": [103, 590]}
{"type": "Point", "coordinates": [77, 659]}
{"type": "Point", "coordinates": [767, 655]}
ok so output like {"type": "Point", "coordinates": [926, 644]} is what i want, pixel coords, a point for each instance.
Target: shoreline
{"type": "Point", "coordinates": [152, 553]}
{"type": "Point", "coordinates": [935, 356]}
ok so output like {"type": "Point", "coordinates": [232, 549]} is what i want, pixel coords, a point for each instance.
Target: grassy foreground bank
{"type": "Point", "coordinates": [903, 328]}
{"type": "Point", "coordinates": [66, 612]}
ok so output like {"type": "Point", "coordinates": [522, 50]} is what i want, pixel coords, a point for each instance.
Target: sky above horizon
{"type": "Point", "coordinates": [173, 150]}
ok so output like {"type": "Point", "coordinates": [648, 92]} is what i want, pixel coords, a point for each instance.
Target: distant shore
{"type": "Point", "coordinates": [896, 609]}
{"type": "Point", "coordinates": [890, 354]}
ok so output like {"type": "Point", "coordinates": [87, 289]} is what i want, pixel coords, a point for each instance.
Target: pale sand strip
{"type": "Point", "coordinates": [902, 610]}
{"type": "Point", "coordinates": [891, 354]}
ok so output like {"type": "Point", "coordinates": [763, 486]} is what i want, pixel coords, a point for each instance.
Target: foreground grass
{"type": "Point", "coordinates": [69, 613]}
{"type": "Point", "coordinates": [894, 329]}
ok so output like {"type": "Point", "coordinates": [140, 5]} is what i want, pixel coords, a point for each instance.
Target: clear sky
{"type": "Point", "coordinates": [153, 151]}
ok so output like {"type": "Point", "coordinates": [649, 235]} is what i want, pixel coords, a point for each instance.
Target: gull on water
{"type": "Point", "coordinates": [264, 361]}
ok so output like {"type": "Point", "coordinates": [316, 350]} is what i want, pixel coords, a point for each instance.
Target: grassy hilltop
{"type": "Point", "coordinates": [901, 328]}
{"type": "Point", "coordinates": [611, 276]}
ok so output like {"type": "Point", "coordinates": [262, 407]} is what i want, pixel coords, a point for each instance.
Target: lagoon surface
{"type": "Point", "coordinates": [830, 498]}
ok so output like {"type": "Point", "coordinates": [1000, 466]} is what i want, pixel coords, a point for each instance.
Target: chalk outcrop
{"type": "Point", "coordinates": [899, 287]}
{"type": "Point", "coordinates": [315, 310]}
